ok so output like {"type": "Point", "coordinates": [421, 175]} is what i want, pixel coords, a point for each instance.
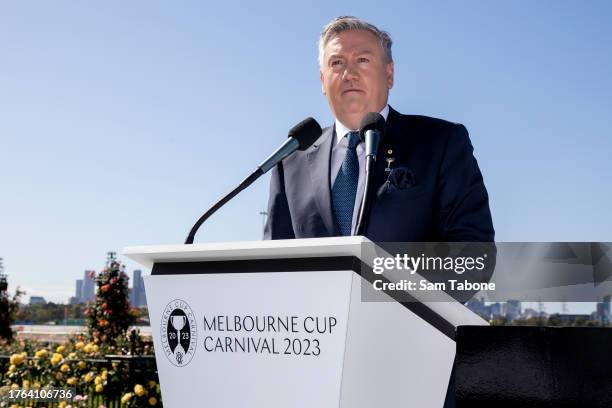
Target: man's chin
{"type": "Point", "coordinates": [354, 107]}
{"type": "Point", "coordinates": [352, 117]}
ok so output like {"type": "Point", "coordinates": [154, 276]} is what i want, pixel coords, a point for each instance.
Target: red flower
{"type": "Point", "coordinates": [105, 287]}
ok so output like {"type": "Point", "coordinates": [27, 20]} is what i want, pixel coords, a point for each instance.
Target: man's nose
{"type": "Point", "coordinates": [350, 73]}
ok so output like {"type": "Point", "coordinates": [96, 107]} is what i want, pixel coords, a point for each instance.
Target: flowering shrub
{"type": "Point", "coordinates": [77, 364]}
{"type": "Point", "coordinates": [142, 396]}
{"type": "Point", "coordinates": [80, 363]}
{"type": "Point", "coordinates": [111, 315]}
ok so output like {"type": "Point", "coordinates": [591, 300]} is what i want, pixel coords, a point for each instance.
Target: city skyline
{"type": "Point", "coordinates": [85, 291]}
{"type": "Point", "coordinates": [137, 298]}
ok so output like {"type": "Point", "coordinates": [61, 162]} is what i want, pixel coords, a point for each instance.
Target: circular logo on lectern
{"type": "Point", "coordinates": [178, 333]}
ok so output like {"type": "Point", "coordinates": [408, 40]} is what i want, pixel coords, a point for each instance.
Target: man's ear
{"type": "Point", "coordinates": [322, 82]}
{"type": "Point", "coordinates": [390, 70]}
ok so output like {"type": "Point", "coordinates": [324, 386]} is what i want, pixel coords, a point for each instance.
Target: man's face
{"type": "Point", "coordinates": [355, 76]}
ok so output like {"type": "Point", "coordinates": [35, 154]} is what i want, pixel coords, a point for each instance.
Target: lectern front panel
{"type": "Point", "coordinates": [264, 339]}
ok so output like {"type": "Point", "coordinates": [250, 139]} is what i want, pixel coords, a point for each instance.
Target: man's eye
{"type": "Point", "coordinates": [363, 59]}
{"type": "Point", "coordinates": [336, 62]}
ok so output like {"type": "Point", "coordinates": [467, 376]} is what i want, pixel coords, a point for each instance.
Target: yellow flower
{"type": "Point", "coordinates": [152, 384]}
{"type": "Point", "coordinates": [104, 374]}
{"type": "Point", "coordinates": [25, 384]}
{"type": "Point", "coordinates": [91, 348]}
{"type": "Point", "coordinates": [60, 349]}
{"type": "Point", "coordinates": [126, 398]}
{"type": "Point", "coordinates": [41, 353]}
{"type": "Point", "coordinates": [12, 368]}
{"type": "Point", "coordinates": [64, 368]}
{"type": "Point", "coordinates": [58, 376]}
{"type": "Point", "coordinates": [17, 359]}
{"type": "Point", "coordinates": [72, 356]}
{"type": "Point", "coordinates": [36, 385]}
{"type": "Point", "coordinates": [14, 386]}
{"type": "Point", "coordinates": [115, 365]}
{"type": "Point", "coordinates": [81, 364]}
{"type": "Point", "coordinates": [99, 387]}
{"type": "Point", "coordinates": [79, 345]}
{"type": "Point", "coordinates": [63, 404]}
{"type": "Point", "coordinates": [152, 401]}
{"type": "Point", "coordinates": [139, 390]}
{"type": "Point", "coordinates": [98, 380]}
{"type": "Point", "coordinates": [88, 377]}
{"type": "Point", "coordinates": [71, 381]}
{"type": "Point", "coordinates": [56, 359]}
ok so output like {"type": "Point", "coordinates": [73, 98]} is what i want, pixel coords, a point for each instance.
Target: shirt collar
{"type": "Point", "coordinates": [342, 130]}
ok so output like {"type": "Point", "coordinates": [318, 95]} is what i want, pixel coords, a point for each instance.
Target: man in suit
{"type": "Point", "coordinates": [426, 182]}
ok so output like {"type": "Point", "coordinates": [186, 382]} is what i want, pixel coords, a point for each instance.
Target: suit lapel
{"type": "Point", "coordinates": [319, 161]}
{"type": "Point", "coordinates": [390, 141]}
{"type": "Point", "coordinates": [319, 165]}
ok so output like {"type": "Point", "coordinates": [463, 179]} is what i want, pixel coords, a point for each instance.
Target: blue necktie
{"type": "Point", "coordinates": [345, 186]}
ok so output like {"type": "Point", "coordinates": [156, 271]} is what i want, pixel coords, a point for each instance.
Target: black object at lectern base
{"type": "Point", "coordinates": [510, 366]}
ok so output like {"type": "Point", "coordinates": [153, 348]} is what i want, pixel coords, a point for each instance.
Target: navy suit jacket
{"type": "Point", "coordinates": [444, 199]}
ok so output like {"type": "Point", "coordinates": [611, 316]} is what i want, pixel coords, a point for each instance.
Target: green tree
{"type": "Point", "coordinates": [555, 320]}
{"type": "Point", "coordinates": [8, 306]}
{"type": "Point", "coordinates": [50, 312]}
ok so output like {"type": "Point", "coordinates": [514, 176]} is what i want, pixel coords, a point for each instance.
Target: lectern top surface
{"type": "Point", "coordinates": [336, 247]}
{"type": "Point", "coordinates": [244, 250]}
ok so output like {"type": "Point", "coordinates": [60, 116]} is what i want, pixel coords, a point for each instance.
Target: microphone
{"type": "Point", "coordinates": [371, 131]}
{"type": "Point", "coordinates": [301, 137]}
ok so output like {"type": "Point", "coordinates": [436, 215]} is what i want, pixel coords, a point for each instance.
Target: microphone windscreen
{"type": "Point", "coordinates": [306, 132]}
{"type": "Point", "coordinates": [372, 121]}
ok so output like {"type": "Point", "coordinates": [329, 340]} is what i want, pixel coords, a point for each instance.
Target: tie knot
{"type": "Point", "coordinates": [353, 140]}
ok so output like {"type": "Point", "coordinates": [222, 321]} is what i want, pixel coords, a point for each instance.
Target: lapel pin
{"type": "Point", "coordinates": [389, 161]}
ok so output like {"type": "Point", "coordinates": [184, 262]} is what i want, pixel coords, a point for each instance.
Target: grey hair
{"type": "Point", "coordinates": [345, 23]}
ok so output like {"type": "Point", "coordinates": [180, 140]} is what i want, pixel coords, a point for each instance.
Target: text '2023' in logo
{"type": "Point", "coordinates": [178, 332]}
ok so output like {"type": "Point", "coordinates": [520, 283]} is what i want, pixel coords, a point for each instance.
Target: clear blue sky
{"type": "Point", "coordinates": [120, 122]}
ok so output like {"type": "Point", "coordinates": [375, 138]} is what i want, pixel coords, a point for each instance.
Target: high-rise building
{"type": "Point", "coordinates": [133, 290]}
{"type": "Point", "coordinates": [137, 295]}
{"type": "Point", "coordinates": [603, 311]}
{"type": "Point", "coordinates": [88, 291]}
{"type": "Point", "coordinates": [78, 293]}
{"type": "Point", "coordinates": [495, 309]}
{"type": "Point", "coordinates": [513, 309]}
{"type": "Point", "coordinates": [478, 306]}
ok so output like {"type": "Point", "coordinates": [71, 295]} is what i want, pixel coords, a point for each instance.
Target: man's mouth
{"type": "Point", "coordinates": [352, 91]}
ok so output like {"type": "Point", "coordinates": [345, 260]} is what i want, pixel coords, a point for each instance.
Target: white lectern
{"type": "Point", "coordinates": [283, 324]}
